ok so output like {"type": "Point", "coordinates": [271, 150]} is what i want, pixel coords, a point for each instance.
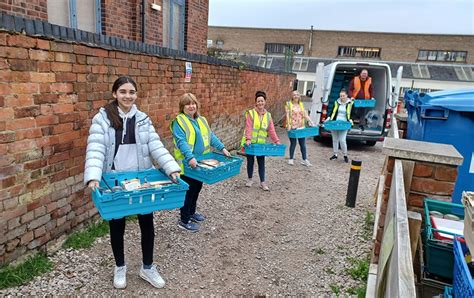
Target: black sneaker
{"type": "Point", "coordinates": [198, 217]}
{"type": "Point", "coordinates": [190, 226]}
{"type": "Point", "coordinates": [346, 160]}
{"type": "Point", "coordinates": [333, 157]}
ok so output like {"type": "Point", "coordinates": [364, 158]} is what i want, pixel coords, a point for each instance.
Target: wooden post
{"type": "Point", "coordinates": [414, 226]}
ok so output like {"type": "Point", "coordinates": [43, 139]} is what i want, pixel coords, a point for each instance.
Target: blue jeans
{"type": "Point", "coordinates": [261, 166]}
{"type": "Point", "coordinates": [302, 142]}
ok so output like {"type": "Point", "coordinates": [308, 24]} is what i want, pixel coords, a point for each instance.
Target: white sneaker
{"type": "Point", "coordinates": [120, 277]}
{"type": "Point", "coordinates": [249, 183]}
{"type": "Point", "coordinates": [291, 162]}
{"type": "Point", "coordinates": [306, 162]}
{"type": "Point", "coordinates": [152, 276]}
{"type": "Point", "coordinates": [264, 186]}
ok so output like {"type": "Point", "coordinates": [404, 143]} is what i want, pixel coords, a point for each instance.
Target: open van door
{"type": "Point", "coordinates": [316, 99]}
{"type": "Point", "coordinates": [396, 89]}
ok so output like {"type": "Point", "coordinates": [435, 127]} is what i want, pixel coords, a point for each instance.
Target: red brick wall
{"type": "Point", "coordinates": [124, 20]}
{"type": "Point", "coordinates": [196, 26]}
{"type": "Point", "coordinates": [432, 180]}
{"type": "Point", "coordinates": [50, 90]}
{"type": "Point", "coordinates": [33, 9]}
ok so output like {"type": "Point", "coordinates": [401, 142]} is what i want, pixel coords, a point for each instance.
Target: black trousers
{"type": "Point", "coordinates": [117, 231]}
{"type": "Point", "coordinates": [261, 166]}
{"type": "Point", "coordinates": [190, 201]}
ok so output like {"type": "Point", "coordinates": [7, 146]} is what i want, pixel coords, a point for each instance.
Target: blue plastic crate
{"type": "Point", "coordinates": [337, 125]}
{"type": "Point", "coordinates": [304, 132]}
{"type": "Point", "coordinates": [364, 103]}
{"type": "Point", "coordinates": [265, 149]}
{"type": "Point", "coordinates": [463, 284]}
{"type": "Point", "coordinates": [448, 292]}
{"type": "Point", "coordinates": [230, 167]}
{"type": "Point", "coordinates": [121, 203]}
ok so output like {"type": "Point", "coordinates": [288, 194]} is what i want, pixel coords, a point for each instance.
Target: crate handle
{"type": "Point", "coordinates": [425, 111]}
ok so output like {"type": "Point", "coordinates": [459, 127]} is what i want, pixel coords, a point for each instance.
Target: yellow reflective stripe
{"type": "Point", "coordinates": [205, 133]}
{"type": "Point", "coordinates": [356, 168]}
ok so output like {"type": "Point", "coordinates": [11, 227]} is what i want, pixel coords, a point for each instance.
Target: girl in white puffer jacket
{"type": "Point", "coordinates": [122, 138]}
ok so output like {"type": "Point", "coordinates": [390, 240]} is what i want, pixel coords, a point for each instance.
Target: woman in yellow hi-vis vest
{"type": "Point", "coordinates": [192, 136]}
{"type": "Point", "coordinates": [296, 116]}
{"type": "Point", "coordinates": [258, 125]}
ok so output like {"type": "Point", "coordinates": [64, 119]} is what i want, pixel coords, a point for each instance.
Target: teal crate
{"type": "Point", "coordinates": [448, 292]}
{"type": "Point", "coordinates": [265, 149]}
{"type": "Point", "coordinates": [337, 125]}
{"type": "Point", "coordinates": [364, 103]}
{"type": "Point", "coordinates": [230, 167]}
{"type": "Point", "coordinates": [121, 203]}
{"type": "Point", "coordinates": [439, 253]}
{"type": "Point", "coordinates": [303, 132]}
{"type": "Point", "coordinates": [463, 284]}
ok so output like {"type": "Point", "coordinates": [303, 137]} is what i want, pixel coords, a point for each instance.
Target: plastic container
{"type": "Point", "coordinates": [265, 149]}
{"type": "Point", "coordinates": [337, 125]}
{"type": "Point", "coordinates": [120, 203]}
{"type": "Point", "coordinates": [304, 132]}
{"type": "Point", "coordinates": [463, 284]}
{"type": "Point", "coordinates": [229, 168]}
{"type": "Point", "coordinates": [448, 292]}
{"type": "Point", "coordinates": [364, 103]}
{"type": "Point", "coordinates": [446, 117]}
{"type": "Point", "coordinates": [439, 253]}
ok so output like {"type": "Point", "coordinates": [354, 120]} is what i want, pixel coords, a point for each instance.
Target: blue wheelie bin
{"type": "Point", "coordinates": [446, 117]}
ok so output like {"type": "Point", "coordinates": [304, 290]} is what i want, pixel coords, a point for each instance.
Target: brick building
{"type": "Point", "coordinates": [431, 62]}
{"type": "Point", "coordinates": [176, 24]}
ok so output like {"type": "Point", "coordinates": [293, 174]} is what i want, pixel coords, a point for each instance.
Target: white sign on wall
{"type": "Point", "coordinates": [189, 72]}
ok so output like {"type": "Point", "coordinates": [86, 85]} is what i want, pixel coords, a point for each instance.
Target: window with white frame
{"type": "Point", "coordinates": [220, 43]}
{"type": "Point", "coordinates": [420, 71]}
{"type": "Point", "coordinates": [442, 56]}
{"type": "Point", "coordinates": [265, 62]}
{"type": "Point", "coordinates": [464, 73]}
{"type": "Point", "coordinates": [173, 24]}
{"type": "Point", "coordinates": [362, 52]}
{"type": "Point", "coordinates": [79, 14]}
{"type": "Point", "coordinates": [300, 64]}
{"type": "Point", "coordinates": [209, 43]}
{"type": "Point", "coordinates": [304, 86]}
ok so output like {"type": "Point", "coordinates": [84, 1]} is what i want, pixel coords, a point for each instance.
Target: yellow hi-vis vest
{"type": "Point", "coordinates": [260, 127]}
{"type": "Point", "coordinates": [190, 132]}
{"type": "Point", "coordinates": [289, 105]}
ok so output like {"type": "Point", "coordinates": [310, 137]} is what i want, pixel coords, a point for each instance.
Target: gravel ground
{"type": "Point", "coordinates": [295, 239]}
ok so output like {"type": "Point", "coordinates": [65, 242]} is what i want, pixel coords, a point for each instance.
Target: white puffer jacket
{"type": "Point", "coordinates": [101, 147]}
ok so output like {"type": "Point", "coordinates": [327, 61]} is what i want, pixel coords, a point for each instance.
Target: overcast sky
{"type": "Point", "coordinates": [408, 16]}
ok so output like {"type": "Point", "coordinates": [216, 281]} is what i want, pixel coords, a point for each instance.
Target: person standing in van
{"type": "Point", "coordinates": [361, 87]}
{"type": "Point", "coordinates": [341, 111]}
{"type": "Point", "coordinates": [258, 126]}
{"type": "Point", "coordinates": [296, 116]}
{"type": "Point", "coordinates": [122, 138]}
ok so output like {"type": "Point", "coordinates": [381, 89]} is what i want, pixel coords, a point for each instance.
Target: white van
{"type": "Point", "coordinates": [330, 79]}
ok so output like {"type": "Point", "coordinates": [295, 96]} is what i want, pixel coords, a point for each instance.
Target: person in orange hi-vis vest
{"type": "Point", "coordinates": [361, 87]}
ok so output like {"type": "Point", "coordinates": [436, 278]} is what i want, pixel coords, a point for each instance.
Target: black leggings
{"type": "Point", "coordinates": [261, 166]}
{"type": "Point", "coordinates": [190, 200]}
{"type": "Point", "coordinates": [117, 230]}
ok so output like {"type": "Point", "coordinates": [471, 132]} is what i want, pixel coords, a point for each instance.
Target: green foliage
{"type": "Point", "coordinates": [335, 289]}
{"type": "Point", "coordinates": [85, 239]}
{"type": "Point", "coordinates": [359, 270]}
{"type": "Point", "coordinates": [12, 276]}
{"type": "Point", "coordinates": [359, 291]}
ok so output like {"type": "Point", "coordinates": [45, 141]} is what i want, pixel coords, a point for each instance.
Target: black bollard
{"type": "Point", "coordinates": [356, 165]}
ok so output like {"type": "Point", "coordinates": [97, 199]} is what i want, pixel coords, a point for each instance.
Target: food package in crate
{"type": "Point", "coordinates": [214, 167]}
{"type": "Point", "coordinates": [468, 202]}
{"type": "Point", "coordinates": [122, 194]}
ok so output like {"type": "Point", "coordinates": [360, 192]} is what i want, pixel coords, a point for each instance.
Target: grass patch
{"type": "Point", "coordinates": [369, 221]}
{"type": "Point", "coordinates": [329, 271]}
{"type": "Point", "coordinates": [85, 238]}
{"type": "Point", "coordinates": [359, 291]}
{"type": "Point", "coordinates": [319, 251]}
{"type": "Point", "coordinates": [359, 270]}
{"type": "Point", "coordinates": [12, 276]}
{"type": "Point", "coordinates": [335, 289]}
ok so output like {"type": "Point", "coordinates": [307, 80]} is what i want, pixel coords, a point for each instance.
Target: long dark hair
{"type": "Point", "coordinates": [111, 108]}
{"type": "Point", "coordinates": [260, 93]}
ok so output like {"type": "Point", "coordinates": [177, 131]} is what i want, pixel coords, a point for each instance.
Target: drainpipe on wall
{"type": "Point", "coordinates": [310, 51]}
{"type": "Point", "coordinates": [143, 20]}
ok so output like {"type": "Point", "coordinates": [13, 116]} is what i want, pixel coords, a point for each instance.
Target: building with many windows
{"type": "Point", "coordinates": [431, 62]}
{"type": "Point", "coordinates": [176, 24]}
